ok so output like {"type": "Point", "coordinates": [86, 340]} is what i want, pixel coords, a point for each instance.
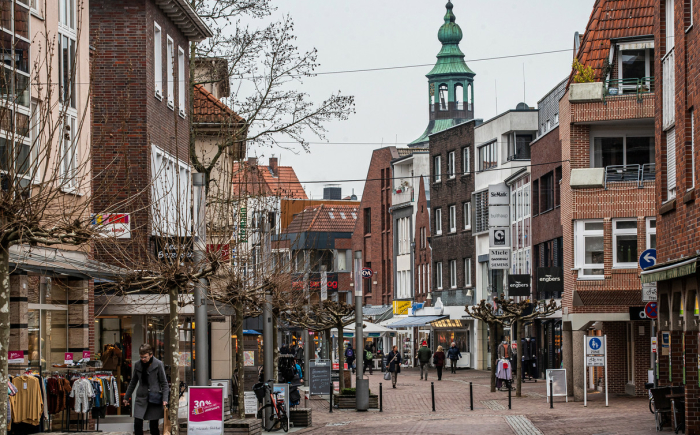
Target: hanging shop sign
{"type": "Point", "coordinates": [499, 194]}
{"type": "Point", "coordinates": [171, 249]}
{"type": "Point", "coordinates": [243, 224]}
{"type": "Point", "coordinates": [499, 259]}
{"type": "Point", "coordinates": [499, 237]}
{"type": "Point", "coordinates": [550, 279]}
{"type": "Point", "coordinates": [401, 307]}
{"type": "Point", "coordinates": [519, 285]}
{"type": "Point", "coordinates": [15, 357]}
{"type": "Point", "coordinates": [117, 225]}
{"type": "Point", "coordinates": [499, 215]}
{"type": "Point", "coordinates": [205, 410]}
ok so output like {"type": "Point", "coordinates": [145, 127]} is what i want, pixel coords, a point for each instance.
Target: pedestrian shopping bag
{"type": "Point", "coordinates": [167, 429]}
{"type": "Point", "coordinates": [387, 376]}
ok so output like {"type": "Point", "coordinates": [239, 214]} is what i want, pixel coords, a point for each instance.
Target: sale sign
{"type": "Point", "coordinates": [15, 357]}
{"type": "Point", "coordinates": [86, 355]}
{"type": "Point", "coordinates": [205, 410]}
{"type": "Point", "coordinates": [68, 358]}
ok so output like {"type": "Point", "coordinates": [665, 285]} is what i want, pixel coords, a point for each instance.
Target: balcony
{"type": "Point", "coordinates": [454, 297]}
{"type": "Point", "coordinates": [633, 86]}
{"type": "Point", "coordinates": [669, 89]}
{"type": "Point", "coordinates": [630, 173]}
{"type": "Point", "coordinates": [402, 195]}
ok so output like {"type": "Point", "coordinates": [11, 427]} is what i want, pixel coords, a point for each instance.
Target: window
{"type": "Point", "coordinates": [453, 273]}
{"type": "Point", "coordinates": [470, 97]}
{"type": "Point", "coordinates": [556, 119]}
{"type": "Point", "coordinates": [368, 220]}
{"type": "Point", "coordinates": [171, 194]}
{"type": "Point", "coordinates": [66, 62]}
{"type": "Point", "coordinates": [451, 164]}
{"type": "Point", "coordinates": [671, 163]}
{"type": "Point", "coordinates": [547, 192]}
{"type": "Point", "coordinates": [481, 214]}
{"type": "Point", "coordinates": [614, 151]}
{"type": "Point", "coordinates": [670, 25]}
{"type": "Point", "coordinates": [181, 80]}
{"type": "Point", "coordinates": [487, 156]}
{"type": "Point", "coordinates": [342, 261]}
{"type": "Point", "coordinates": [465, 160]}
{"type": "Point", "coordinates": [459, 96]}
{"type": "Point", "coordinates": [519, 146]}
{"type": "Point", "coordinates": [692, 149]}
{"type": "Point", "coordinates": [158, 59]}
{"type": "Point", "coordinates": [688, 14]}
{"type": "Point", "coordinates": [171, 72]}
{"type": "Point", "coordinates": [438, 221]}
{"type": "Point", "coordinates": [467, 215]}
{"type": "Point", "coordinates": [438, 275]}
{"type": "Point", "coordinates": [651, 233]}
{"type": "Point", "coordinates": [69, 157]}
{"type": "Point", "coordinates": [589, 249]}
{"type": "Point", "coordinates": [635, 64]}
{"type": "Point", "coordinates": [535, 197]}
{"type": "Point", "coordinates": [437, 167]}
{"type": "Point", "coordinates": [625, 243]}
{"type": "Point", "coordinates": [66, 13]}
{"type": "Point", "coordinates": [557, 187]}
{"type": "Point", "coordinates": [453, 218]}
{"type": "Point", "coordinates": [444, 97]}
{"type": "Point", "coordinates": [467, 272]}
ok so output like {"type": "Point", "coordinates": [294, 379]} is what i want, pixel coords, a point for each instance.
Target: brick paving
{"type": "Point", "coordinates": [408, 410]}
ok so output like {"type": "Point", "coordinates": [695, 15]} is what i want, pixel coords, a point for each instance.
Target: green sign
{"type": "Point", "coordinates": [243, 224]}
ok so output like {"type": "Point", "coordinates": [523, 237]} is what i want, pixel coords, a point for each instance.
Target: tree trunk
{"type": "Point", "coordinates": [4, 331]}
{"type": "Point", "coordinates": [519, 361]}
{"type": "Point", "coordinates": [494, 353]}
{"type": "Point", "coordinates": [341, 377]}
{"type": "Point", "coordinates": [238, 324]}
{"type": "Point", "coordinates": [174, 366]}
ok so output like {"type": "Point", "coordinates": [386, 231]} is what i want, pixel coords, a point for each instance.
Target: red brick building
{"type": "Point", "coordinates": [422, 251]}
{"type": "Point", "coordinates": [608, 205]}
{"type": "Point", "coordinates": [678, 247]}
{"type": "Point", "coordinates": [372, 238]}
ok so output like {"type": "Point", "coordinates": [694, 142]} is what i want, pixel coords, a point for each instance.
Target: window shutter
{"type": "Point", "coordinates": [671, 163]}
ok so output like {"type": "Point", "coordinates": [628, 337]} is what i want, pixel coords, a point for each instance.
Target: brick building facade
{"type": "Point", "coordinates": [678, 245]}
{"type": "Point", "coordinates": [608, 193]}
{"type": "Point", "coordinates": [372, 238]}
{"type": "Point", "coordinates": [423, 251]}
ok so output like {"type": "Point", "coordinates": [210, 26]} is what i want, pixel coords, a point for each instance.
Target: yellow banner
{"type": "Point", "coordinates": [401, 307]}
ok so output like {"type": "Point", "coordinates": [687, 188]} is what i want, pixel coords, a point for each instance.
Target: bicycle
{"type": "Point", "coordinates": [277, 409]}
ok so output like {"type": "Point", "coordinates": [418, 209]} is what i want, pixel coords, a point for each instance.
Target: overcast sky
{"type": "Point", "coordinates": [392, 106]}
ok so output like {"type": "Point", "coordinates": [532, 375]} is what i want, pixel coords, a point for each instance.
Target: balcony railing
{"type": "Point", "coordinates": [632, 86]}
{"type": "Point", "coordinates": [630, 173]}
{"type": "Point", "coordinates": [403, 196]}
{"type": "Point", "coordinates": [669, 89]}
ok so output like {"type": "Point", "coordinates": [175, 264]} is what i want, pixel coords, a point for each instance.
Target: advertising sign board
{"type": "Point", "coordinates": [499, 237]}
{"type": "Point", "coordinates": [499, 215]}
{"type": "Point", "coordinates": [499, 194]}
{"type": "Point", "coordinates": [499, 259]}
{"type": "Point", "coordinates": [205, 410]}
{"type": "Point", "coordinates": [519, 285]}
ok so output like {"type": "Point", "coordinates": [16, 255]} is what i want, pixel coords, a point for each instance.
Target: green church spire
{"type": "Point", "coordinates": [450, 82]}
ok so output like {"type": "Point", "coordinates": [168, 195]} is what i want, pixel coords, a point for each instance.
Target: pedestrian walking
{"type": "Point", "coordinates": [284, 350]}
{"type": "Point", "coordinates": [454, 355]}
{"type": "Point", "coordinates": [350, 357]}
{"type": "Point", "coordinates": [152, 392]}
{"type": "Point", "coordinates": [368, 358]}
{"type": "Point", "coordinates": [299, 354]}
{"type": "Point", "coordinates": [424, 359]}
{"type": "Point", "coordinates": [393, 364]}
{"type": "Point", "coordinates": [439, 361]}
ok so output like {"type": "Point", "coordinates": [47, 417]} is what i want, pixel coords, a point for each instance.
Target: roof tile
{"type": "Point", "coordinates": [325, 218]}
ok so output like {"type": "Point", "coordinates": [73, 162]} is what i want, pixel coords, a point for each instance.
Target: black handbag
{"type": "Point", "coordinates": [155, 397]}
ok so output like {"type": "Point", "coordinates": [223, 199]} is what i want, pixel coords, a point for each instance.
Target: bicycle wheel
{"type": "Point", "coordinates": [284, 422]}
{"type": "Point", "coordinates": [651, 405]}
{"type": "Point", "coordinates": [270, 423]}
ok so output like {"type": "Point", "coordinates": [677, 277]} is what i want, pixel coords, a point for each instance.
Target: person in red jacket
{"type": "Point", "coordinates": [439, 361]}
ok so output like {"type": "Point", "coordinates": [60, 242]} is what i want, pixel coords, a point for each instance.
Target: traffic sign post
{"type": "Point", "coordinates": [596, 355]}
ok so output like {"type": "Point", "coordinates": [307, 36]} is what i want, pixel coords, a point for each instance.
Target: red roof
{"type": "Point", "coordinates": [269, 180]}
{"type": "Point", "coordinates": [208, 108]}
{"type": "Point", "coordinates": [325, 218]}
{"type": "Point", "coordinates": [613, 19]}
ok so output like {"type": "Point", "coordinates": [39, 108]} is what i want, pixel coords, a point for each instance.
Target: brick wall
{"type": "Point", "coordinates": [456, 191]}
{"type": "Point", "coordinates": [127, 116]}
{"type": "Point", "coordinates": [422, 256]}
{"type": "Point", "coordinates": [618, 360]}
{"type": "Point", "coordinates": [377, 246]}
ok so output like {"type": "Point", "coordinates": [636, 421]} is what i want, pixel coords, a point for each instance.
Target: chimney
{"type": "Point", "coordinates": [273, 166]}
{"type": "Point", "coordinates": [252, 161]}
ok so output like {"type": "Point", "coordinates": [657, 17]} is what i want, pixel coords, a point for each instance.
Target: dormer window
{"type": "Point", "coordinates": [636, 66]}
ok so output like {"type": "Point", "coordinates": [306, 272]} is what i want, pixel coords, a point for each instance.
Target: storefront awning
{"type": "Point", "coordinates": [449, 323]}
{"type": "Point", "coordinates": [665, 272]}
{"type": "Point", "coordinates": [413, 322]}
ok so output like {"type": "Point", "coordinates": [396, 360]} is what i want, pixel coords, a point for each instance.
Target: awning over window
{"type": "Point", "coordinates": [638, 45]}
{"type": "Point", "coordinates": [413, 322]}
{"type": "Point", "coordinates": [671, 271]}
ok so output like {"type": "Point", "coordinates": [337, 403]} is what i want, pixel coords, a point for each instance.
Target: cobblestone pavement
{"type": "Point", "coordinates": [408, 410]}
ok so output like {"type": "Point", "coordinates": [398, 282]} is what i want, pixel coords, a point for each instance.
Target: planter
{"type": "Point", "coordinates": [249, 426]}
{"type": "Point", "coordinates": [582, 92]}
{"type": "Point", "coordinates": [300, 417]}
{"type": "Point", "coordinates": [348, 402]}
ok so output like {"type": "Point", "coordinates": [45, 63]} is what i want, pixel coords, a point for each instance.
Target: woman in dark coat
{"type": "Point", "coordinates": [149, 373]}
{"type": "Point", "coordinates": [393, 364]}
{"type": "Point", "coordinates": [439, 360]}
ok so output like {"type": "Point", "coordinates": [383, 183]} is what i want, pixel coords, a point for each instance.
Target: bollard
{"type": "Point", "coordinates": [510, 388]}
{"type": "Point", "coordinates": [471, 397]}
{"type": "Point", "coordinates": [551, 394]}
{"type": "Point", "coordinates": [380, 398]}
{"type": "Point", "coordinates": [331, 397]}
{"type": "Point", "coordinates": [432, 392]}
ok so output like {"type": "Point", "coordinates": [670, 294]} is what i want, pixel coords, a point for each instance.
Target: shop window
{"type": "Point", "coordinates": [625, 243]}
{"type": "Point", "coordinates": [589, 249]}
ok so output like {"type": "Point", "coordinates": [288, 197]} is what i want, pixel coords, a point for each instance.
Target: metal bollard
{"type": "Point", "coordinates": [510, 389]}
{"type": "Point", "coordinates": [380, 398]}
{"type": "Point", "coordinates": [471, 397]}
{"type": "Point", "coordinates": [432, 392]}
{"type": "Point", "coordinates": [551, 394]}
{"type": "Point", "coordinates": [331, 397]}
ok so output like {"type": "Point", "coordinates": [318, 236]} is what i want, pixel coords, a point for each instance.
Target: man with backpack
{"type": "Point", "coordinates": [368, 358]}
{"type": "Point", "coordinates": [424, 355]}
{"type": "Point", "coordinates": [350, 357]}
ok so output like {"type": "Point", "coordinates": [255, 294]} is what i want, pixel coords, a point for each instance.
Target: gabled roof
{"type": "Point", "coordinates": [612, 19]}
{"type": "Point", "coordinates": [209, 109]}
{"type": "Point", "coordinates": [325, 218]}
{"type": "Point", "coordinates": [256, 180]}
